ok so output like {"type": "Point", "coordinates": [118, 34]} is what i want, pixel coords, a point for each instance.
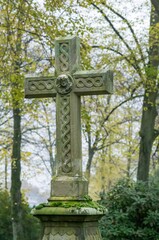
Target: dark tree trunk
{"type": "Point", "coordinates": [89, 163]}
{"type": "Point", "coordinates": [6, 173]}
{"type": "Point", "coordinates": [149, 113]}
{"type": "Point", "coordinates": [91, 153]}
{"type": "Point", "coordinates": [147, 135]}
{"type": "Point", "coordinates": [16, 197]}
{"type": "Point", "coordinates": [17, 102]}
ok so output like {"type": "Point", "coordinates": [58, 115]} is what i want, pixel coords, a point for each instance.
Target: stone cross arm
{"type": "Point", "coordinates": [92, 82]}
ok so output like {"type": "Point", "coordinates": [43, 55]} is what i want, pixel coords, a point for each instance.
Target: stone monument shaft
{"type": "Point", "coordinates": [68, 85]}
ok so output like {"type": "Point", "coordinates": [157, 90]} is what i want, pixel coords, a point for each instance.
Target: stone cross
{"type": "Point", "coordinates": [68, 85]}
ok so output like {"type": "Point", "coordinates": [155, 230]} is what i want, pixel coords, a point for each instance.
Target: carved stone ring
{"type": "Point", "coordinates": [64, 84]}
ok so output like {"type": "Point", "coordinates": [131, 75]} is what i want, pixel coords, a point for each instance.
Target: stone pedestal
{"type": "Point", "coordinates": [69, 223]}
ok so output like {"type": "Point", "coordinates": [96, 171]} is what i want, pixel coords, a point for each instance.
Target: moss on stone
{"type": "Point", "coordinates": [88, 203]}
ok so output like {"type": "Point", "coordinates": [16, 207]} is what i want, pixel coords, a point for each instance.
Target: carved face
{"type": "Point", "coordinates": [63, 80]}
{"type": "Point", "coordinates": [64, 84]}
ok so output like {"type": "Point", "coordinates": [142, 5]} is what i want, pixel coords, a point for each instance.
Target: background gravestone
{"type": "Point", "coordinates": [69, 214]}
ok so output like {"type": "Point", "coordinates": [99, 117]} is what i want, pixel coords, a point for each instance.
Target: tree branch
{"type": "Point", "coordinates": [122, 55]}
{"type": "Point", "coordinates": [120, 104]}
{"type": "Point", "coordinates": [120, 36]}
{"type": "Point", "coordinates": [131, 30]}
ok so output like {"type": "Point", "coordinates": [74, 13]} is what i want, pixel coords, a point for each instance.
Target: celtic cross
{"type": "Point", "coordinates": [68, 84]}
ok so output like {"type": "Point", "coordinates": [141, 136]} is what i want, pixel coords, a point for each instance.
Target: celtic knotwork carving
{"type": "Point", "coordinates": [89, 82]}
{"type": "Point", "coordinates": [40, 85]}
{"type": "Point", "coordinates": [64, 84]}
{"type": "Point", "coordinates": [66, 134]}
{"type": "Point", "coordinates": [64, 57]}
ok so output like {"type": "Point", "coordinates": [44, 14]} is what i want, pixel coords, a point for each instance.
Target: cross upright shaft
{"type": "Point", "coordinates": [68, 85]}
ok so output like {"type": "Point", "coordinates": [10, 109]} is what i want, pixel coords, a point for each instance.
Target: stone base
{"type": "Point", "coordinates": [64, 187]}
{"type": "Point", "coordinates": [69, 223]}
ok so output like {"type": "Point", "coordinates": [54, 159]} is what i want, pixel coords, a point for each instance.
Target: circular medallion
{"type": "Point", "coordinates": [64, 84]}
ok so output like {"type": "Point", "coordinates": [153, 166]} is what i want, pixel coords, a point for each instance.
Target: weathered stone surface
{"type": "Point", "coordinates": [68, 183]}
{"type": "Point", "coordinates": [78, 213]}
{"type": "Point", "coordinates": [68, 85]}
{"type": "Point", "coordinates": [93, 82]}
{"type": "Point", "coordinates": [40, 87]}
{"type": "Point", "coordinates": [79, 233]}
{"type": "Point", "coordinates": [69, 186]}
{"type": "Point", "coordinates": [70, 223]}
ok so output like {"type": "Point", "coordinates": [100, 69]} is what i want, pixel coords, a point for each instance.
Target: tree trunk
{"type": "Point", "coordinates": [90, 158]}
{"type": "Point", "coordinates": [15, 178]}
{"type": "Point", "coordinates": [129, 156]}
{"type": "Point", "coordinates": [147, 137]}
{"type": "Point", "coordinates": [6, 173]}
{"type": "Point", "coordinates": [89, 163]}
{"type": "Point", "coordinates": [17, 103]}
{"type": "Point", "coordinates": [149, 113]}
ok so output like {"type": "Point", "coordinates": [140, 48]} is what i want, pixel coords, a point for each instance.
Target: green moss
{"type": "Point", "coordinates": [41, 205]}
{"type": "Point", "coordinates": [72, 204]}
{"type": "Point", "coordinates": [87, 197]}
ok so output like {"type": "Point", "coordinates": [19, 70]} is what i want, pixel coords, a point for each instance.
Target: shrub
{"type": "Point", "coordinates": [31, 224]}
{"type": "Point", "coordinates": [132, 212]}
{"type": "Point", "coordinates": [5, 217]}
